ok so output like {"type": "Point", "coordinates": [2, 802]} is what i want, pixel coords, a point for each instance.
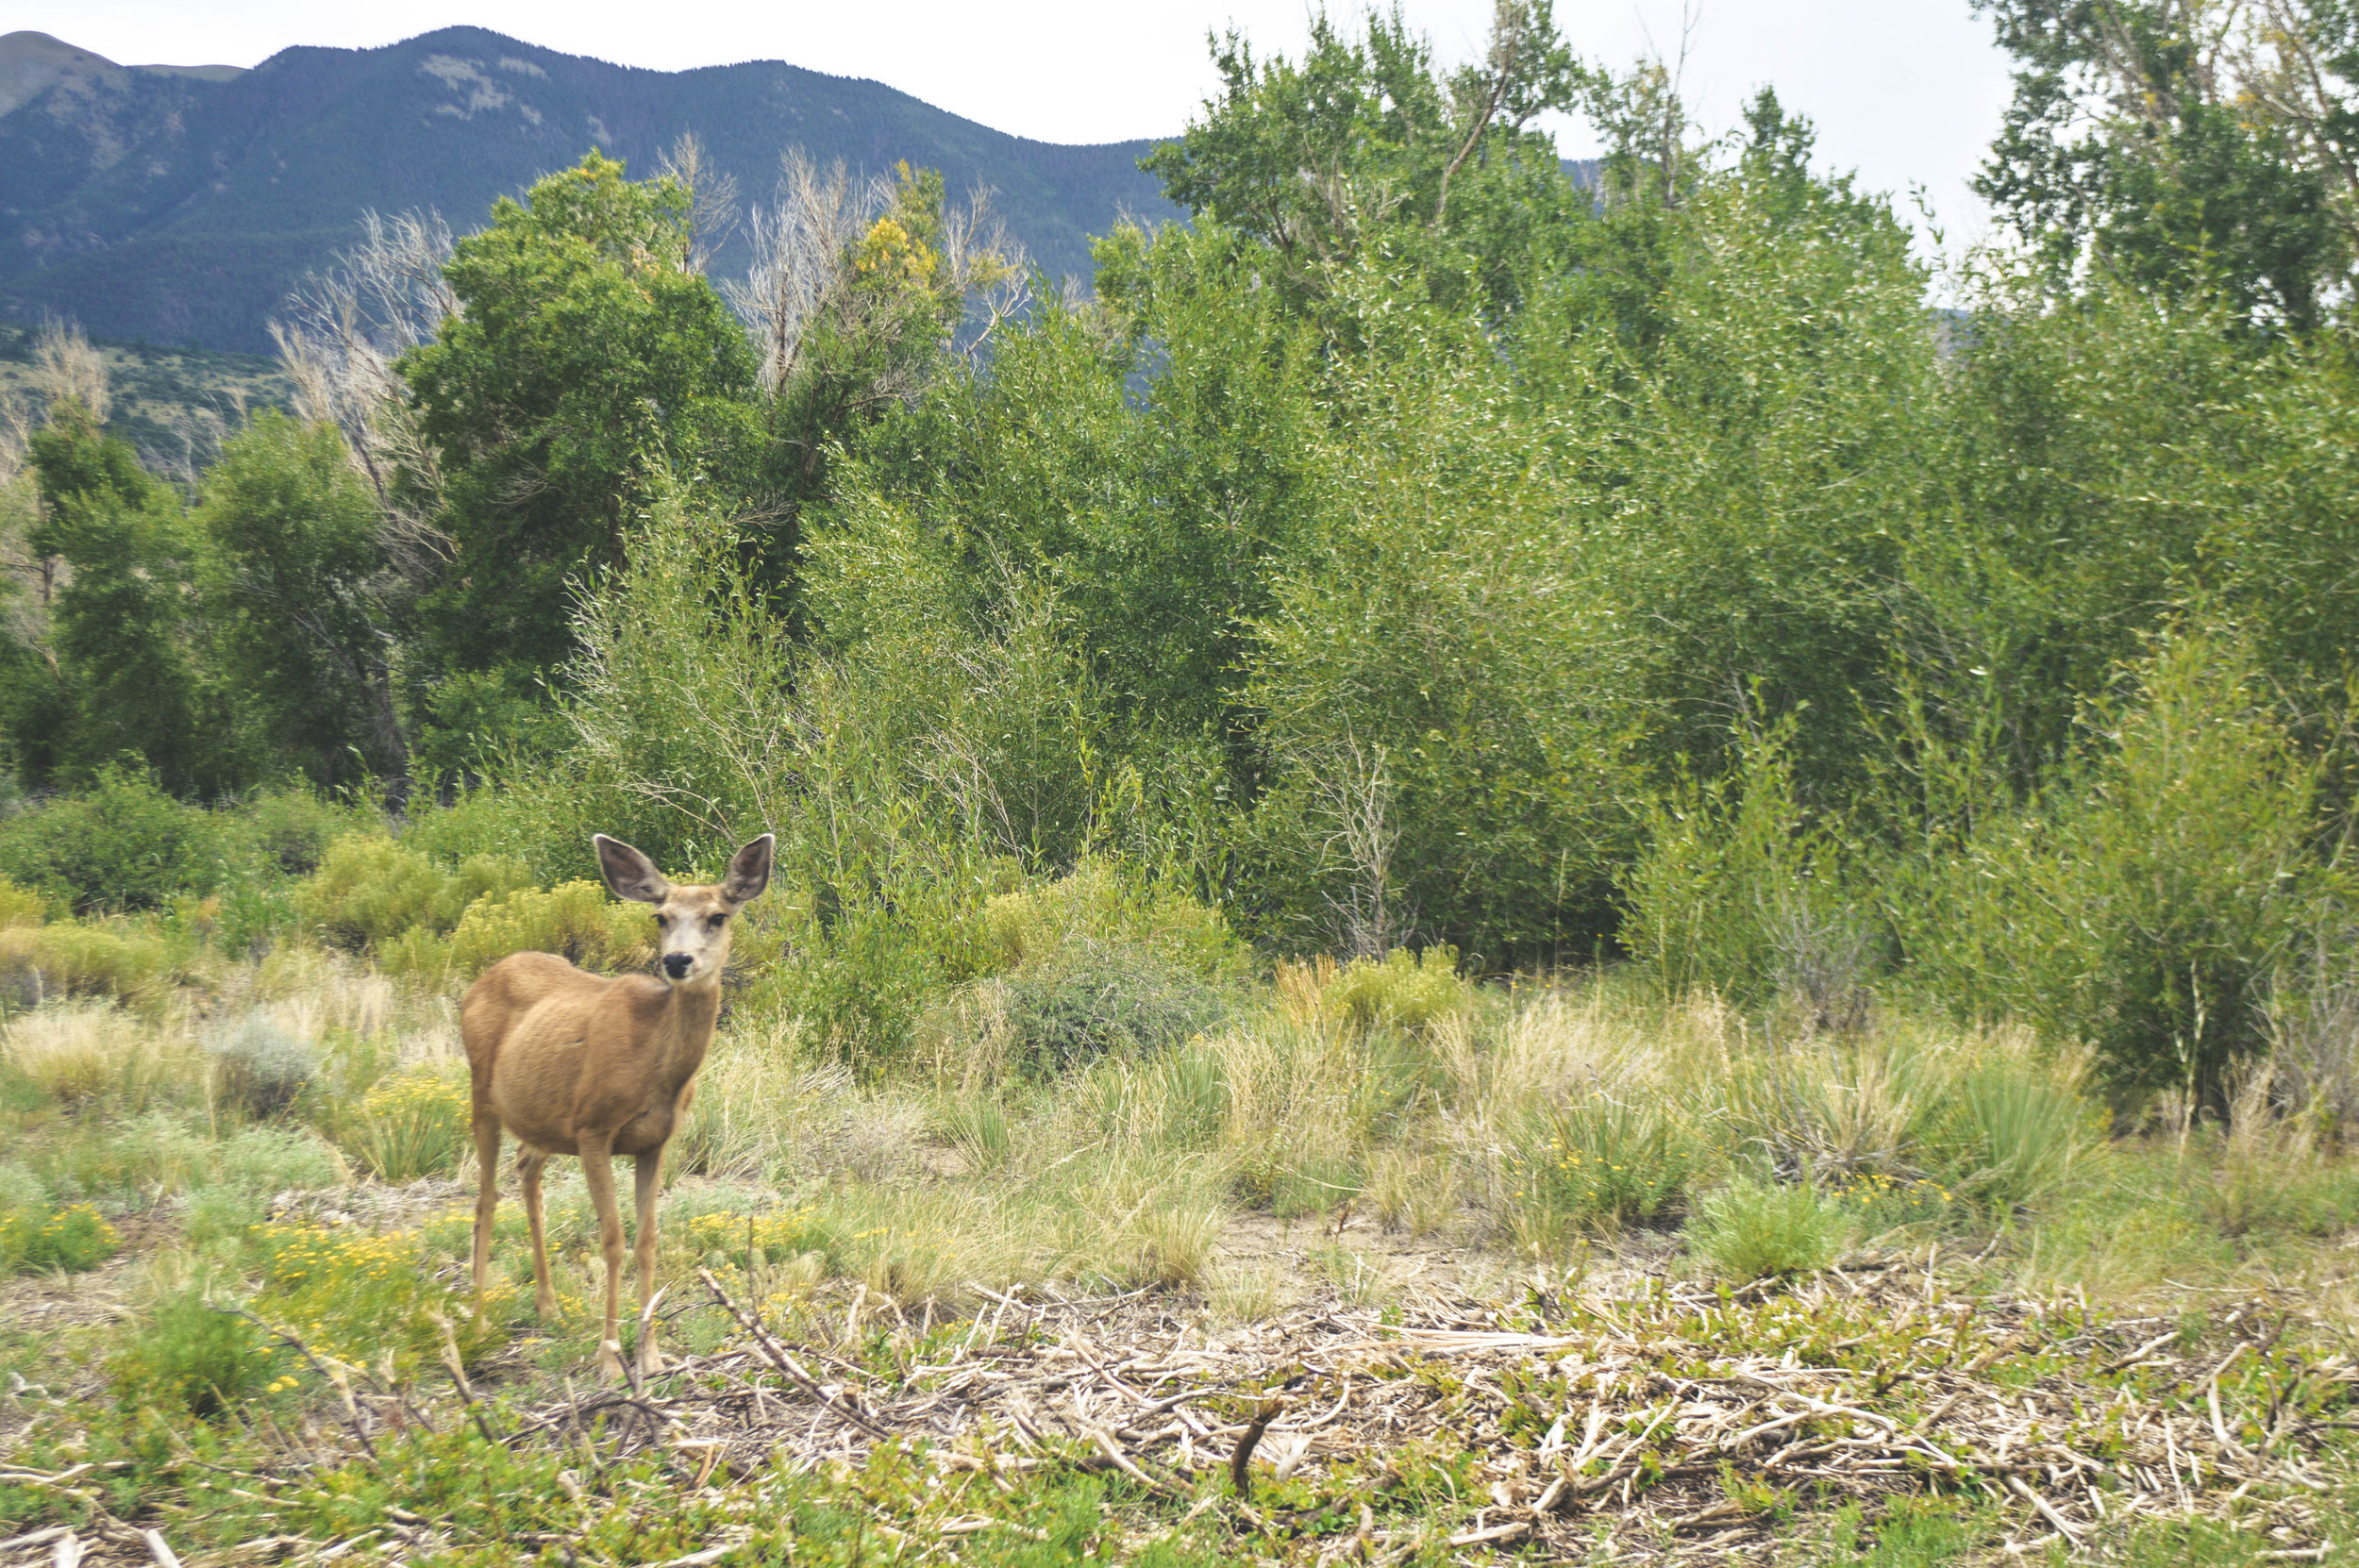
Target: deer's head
{"type": "Point", "coordinates": [693, 923]}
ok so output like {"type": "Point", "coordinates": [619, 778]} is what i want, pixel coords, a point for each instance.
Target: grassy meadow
{"type": "Point", "coordinates": [1470, 866]}
{"type": "Point", "coordinates": [238, 1199]}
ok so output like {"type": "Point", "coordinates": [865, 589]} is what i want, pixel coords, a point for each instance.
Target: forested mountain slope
{"type": "Point", "coordinates": [179, 205]}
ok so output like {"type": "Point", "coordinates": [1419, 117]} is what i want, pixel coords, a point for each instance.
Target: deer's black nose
{"type": "Point", "coordinates": [677, 965]}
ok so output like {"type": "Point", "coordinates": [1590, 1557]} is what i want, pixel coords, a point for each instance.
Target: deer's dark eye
{"type": "Point", "coordinates": [714, 923]}
{"type": "Point", "coordinates": [661, 921]}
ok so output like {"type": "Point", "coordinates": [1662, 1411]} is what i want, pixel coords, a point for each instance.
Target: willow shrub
{"type": "Point", "coordinates": [2143, 902]}
{"type": "Point", "coordinates": [1740, 891]}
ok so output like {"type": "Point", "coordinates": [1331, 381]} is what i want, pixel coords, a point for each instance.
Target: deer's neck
{"type": "Point", "coordinates": [685, 1032]}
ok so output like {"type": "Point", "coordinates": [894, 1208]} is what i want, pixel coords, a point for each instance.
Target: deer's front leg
{"type": "Point", "coordinates": [487, 1162]}
{"type": "Point", "coordinates": [649, 1174]}
{"type": "Point", "coordinates": [597, 1170]}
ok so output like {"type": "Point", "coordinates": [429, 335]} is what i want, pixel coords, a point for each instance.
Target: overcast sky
{"type": "Point", "coordinates": [1906, 91]}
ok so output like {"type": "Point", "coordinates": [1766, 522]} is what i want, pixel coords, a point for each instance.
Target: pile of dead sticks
{"type": "Point", "coordinates": [1642, 1452]}
{"type": "Point", "coordinates": [1672, 1433]}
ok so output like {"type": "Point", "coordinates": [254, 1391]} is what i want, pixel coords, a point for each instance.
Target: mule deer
{"type": "Point", "coordinates": [573, 1063]}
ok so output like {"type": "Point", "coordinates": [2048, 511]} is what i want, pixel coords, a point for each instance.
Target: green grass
{"type": "Point", "coordinates": [1304, 1145]}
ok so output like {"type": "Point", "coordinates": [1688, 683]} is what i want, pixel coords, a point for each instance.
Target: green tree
{"type": "Point", "coordinates": [1365, 144]}
{"type": "Point", "coordinates": [1148, 458]}
{"type": "Point", "coordinates": [2188, 143]}
{"type": "Point", "coordinates": [298, 592]}
{"type": "Point", "coordinates": [855, 318]}
{"type": "Point", "coordinates": [585, 347]}
{"type": "Point", "coordinates": [125, 629]}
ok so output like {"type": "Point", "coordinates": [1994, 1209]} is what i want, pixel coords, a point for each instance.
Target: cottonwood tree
{"type": "Point", "coordinates": [1365, 141]}
{"type": "Point", "coordinates": [584, 346]}
{"type": "Point", "coordinates": [125, 634]}
{"type": "Point", "coordinates": [855, 302]}
{"type": "Point", "coordinates": [296, 585]}
{"type": "Point", "coordinates": [2207, 145]}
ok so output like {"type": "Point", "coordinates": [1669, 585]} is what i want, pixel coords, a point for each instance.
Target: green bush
{"type": "Point", "coordinates": [1752, 1230]}
{"type": "Point", "coordinates": [369, 889]}
{"type": "Point", "coordinates": [2144, 903]}
{"type": "Point", "coordinates": [271, 1160]}
{"type": "Point", "coordinates": [196, 1358]}
{"type": "Point", "coordinates": [69, 959]}
{"type": "Point", "coordinates": [578, 921]}
{"type": "Point", "coordinates": [1403, 989]}
{"type": "Point", "coordinates": [1094, 1000]}
{"type": "Point", "coordinates": [73, 1239]}
{"type": "Point", "coordinates": [477, 877]}
{"type": "Point", "coordinates": [261, 1067]}
{"type": "Point", "coordinates": [361, 1296]}
{"type": "Point", "coordinates": [1097, 905]}
{"type": "Point", "coordinates": [1739, 891]}
{"type": "Point", "coordinates": [289, 830]}
{"type": "Point", "coordinates": [20, 1188]}
{"type": "Point", "coordinates": [1602, 1162]}
{"type": "Point", "coordinates": [413, 1123]}
{"type": "Point", "coordinates": [2012, 1130]}
{"type": "Point", "coordinates": [21, 905]}
{"type": "Point", "coordinates": [124, 844]}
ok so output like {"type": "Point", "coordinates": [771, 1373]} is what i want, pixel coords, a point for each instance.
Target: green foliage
{"type": "Point", "coordinates": [1604, 1161]}
{"type": "Point", "coordinates": [1363, 143]}
{"type": "Point", "coordinates": [359, 1298]}
{"type": "Point", "coordinates": [586, 348]}
{"type": "Point", "coordinates": [125, 634]}
{"type": "Point", "coordinates": [1092, 1000]}
{"type": "Point", "coordinates": [371, 891]}
{"type": "Point", "coordinates": [21, 905]}
{"type": "Point", "coordinates": [578, 921]}
{"type": "Point", "coordinates": [1737, 890]}
{"type": "Point", "coordinates": [887, 305]}
{"type": "Point", "coordinates": [124, 844]}
{"type": "Point", "coordinates": [1404, 990]}
{"type": "Point", "coordinates": [2142, 903]}
{"type": "Point", "coordinates": [2189, 162]}
{"type": "Point", "coordinates": [287, 830]}
{"type": "Point", "coordinates": [296, 591]}
{"type": "Point", "coordinates": [69, 1239]}
{"type": "Point", "coordinates": [368, 889]}
{"type": "Point", "coordinates": [196, 1357]}
{"type": "Point", "coordinates": [1750, 1230]}
{"type": "Point", "coordinates": [67, 959]}
{"type": "Point", "coordinates": [261, 1067]}
{"type": "Point", "coordinates": [1097, 904]}
{"type": "Point", "coordinates": [413, 1123]}
{"type": "Point", "coordinates": [1915, 1532]}
{"type": "Point", "coordinates": [2013, 1132]}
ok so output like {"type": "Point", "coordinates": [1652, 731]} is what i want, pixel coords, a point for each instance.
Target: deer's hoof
{"type": "Point", "coordinates": [610, 1363]}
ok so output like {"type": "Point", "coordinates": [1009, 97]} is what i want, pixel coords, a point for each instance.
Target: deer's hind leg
{"type": "Point", "coordinates": [530, 1162]}
{"type": "Point", "coordinates": [487, 1162]}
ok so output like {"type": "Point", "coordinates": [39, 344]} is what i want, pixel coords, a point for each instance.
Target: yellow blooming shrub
{"type": "Point", "coordinates": [74, 1237]}
{"type": "Point", "coordinates": [577, 921]}
{"type": "Point", "coordinates": [355, 1295]}
{"type": "Point", "coordinates": [1405, 990]}
{"type": "Point", "coordinates": [763, 1239]}
{"type": "Point", "coordinates": [21, 905]}
{"type": "Point", "coordinates": [414, 1123]}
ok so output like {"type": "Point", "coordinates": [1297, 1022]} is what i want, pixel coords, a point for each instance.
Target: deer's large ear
{"type": "Point", "coordinates": [630, 874]}
{"type": "Point", "coordinates": [749, 869]}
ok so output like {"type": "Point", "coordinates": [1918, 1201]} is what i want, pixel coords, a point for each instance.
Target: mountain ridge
{"type": "Point", "coordinates": [180, 205]}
